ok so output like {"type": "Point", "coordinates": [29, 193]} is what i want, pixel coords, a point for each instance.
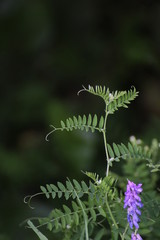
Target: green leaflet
{"type": "Point", "coordinates": [62, 124]}
{"type": "Point", "coordinates": [55, 189]}
{"type": "Point", "coordinates": [77, 185]}
{"type": "Point", "coordinates": [44, 190]}
{"type": "Point", "coordinates": [111, 153]}
{"type": "Point", "coordinates": [93, 214]}
{"type": "Point", "coordinates": [94, 124]}
{"type": "Point", "coordinates": [61, 186]}
{"type": "Point", "coordinates": [75, 206]}
{"type": "Point", "coordinates": [84, 186]}
{"type": "Point", "coordinates": [116, 150]}
{"type": "Point", "coordinates": [101, 122]}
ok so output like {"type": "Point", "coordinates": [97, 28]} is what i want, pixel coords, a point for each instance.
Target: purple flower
{"type": "Point", "coordinates": [133, 202]}
{"type": "Point", "coordinates": [136, 237]}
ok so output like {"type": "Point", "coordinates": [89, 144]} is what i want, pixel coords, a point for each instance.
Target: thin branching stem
{"type": "Point", "coordinates": [105, 142]}
{"type": "Point", "coordinates": [112, 217]}
{"type": "Point", "coordinates": [126, 228]}
{"type": "Point", "coordinates": [84, 214]}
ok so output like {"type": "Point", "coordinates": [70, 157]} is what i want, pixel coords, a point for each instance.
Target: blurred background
{"type": "Point", "coordinates": [48, 50]}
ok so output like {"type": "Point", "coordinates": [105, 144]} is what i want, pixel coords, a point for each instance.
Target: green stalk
{"type": "Point", "coordinates": [105, 142]}
{"type": "Point", "coordinates": [107, 173]}
{"type": "Point", "coordinates": [84, 214]}
{"type": "Point", "coordinates": [85, 219]}
{"type": "Point", "coordinates": [112, 217]}
{"type": "Point", "coordinates": [125, 231]}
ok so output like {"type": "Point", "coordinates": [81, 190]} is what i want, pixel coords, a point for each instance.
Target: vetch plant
{"type": "Point", "coordinates": [96, 208]}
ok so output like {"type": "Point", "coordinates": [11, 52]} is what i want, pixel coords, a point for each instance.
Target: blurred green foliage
{"type": "Point", "coordinates": [48, 49]}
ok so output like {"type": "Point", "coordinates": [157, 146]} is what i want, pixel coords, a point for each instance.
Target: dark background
{"type": "Point", "coordinates": [48, 50]}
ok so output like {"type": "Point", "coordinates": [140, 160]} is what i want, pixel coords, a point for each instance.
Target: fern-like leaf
{"type": "Point", "coordinates": [82, 123]}
{"type": "Point", "coordinates": [100, 91]}
{"type": "Point", "coordinates": [68, 190]}
{"type": "Point", "coordinates": [113, 100]}
{"type": "Point", "coordinates": [71, 217]}
{"type": "Point", "coordinates": [120, 99]}
{"type": "Point", "coordinates": [121, 151]}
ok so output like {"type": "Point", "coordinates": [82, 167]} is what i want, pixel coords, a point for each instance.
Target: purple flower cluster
{"type": "Point", "coordinates": [133, 202]}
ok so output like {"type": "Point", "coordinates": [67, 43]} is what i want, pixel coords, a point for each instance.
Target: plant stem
{"type": "Point", "coordinates": [112, 217]}
{"type": "Point", "coordinates": [85, 219]}
{"type": "Point", "coordinates": [105, 143]}
{"type": "Point", "coordinates": [110, 213]}
{"type": "Point", "coordinates": [84, 214]}
{"type": "Point", "coordinates": [125, 231]}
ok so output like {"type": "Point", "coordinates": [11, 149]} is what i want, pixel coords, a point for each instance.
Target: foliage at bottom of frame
{"type": "Point", "coordinates": [90, 209]}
